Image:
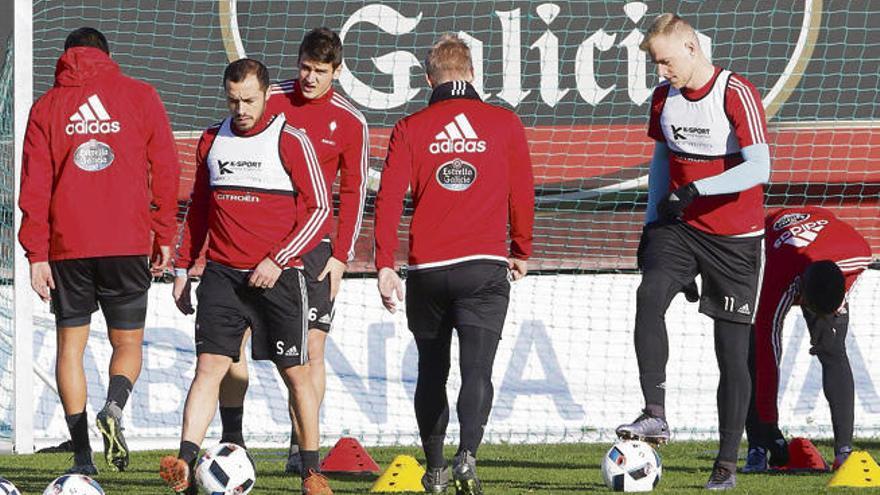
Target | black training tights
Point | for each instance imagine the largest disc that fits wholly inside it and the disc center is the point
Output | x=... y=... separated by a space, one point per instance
x=734 y=386
x=477 y=348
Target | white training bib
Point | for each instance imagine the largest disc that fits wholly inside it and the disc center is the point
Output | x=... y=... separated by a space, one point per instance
x=699 y=127
x=249 y=162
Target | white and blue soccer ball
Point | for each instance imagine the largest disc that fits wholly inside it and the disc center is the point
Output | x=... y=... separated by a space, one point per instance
x=225 y=469
x=7 y=488
x=631 y=466
x=73 y=484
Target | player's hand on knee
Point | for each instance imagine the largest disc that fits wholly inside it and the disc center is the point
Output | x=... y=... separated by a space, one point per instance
x=335 y=268
x=826 y=341
x=265 y=274
x=390 y=287
x=518 y=268
x=672 y=206
x=181 y=293
x=41 y=280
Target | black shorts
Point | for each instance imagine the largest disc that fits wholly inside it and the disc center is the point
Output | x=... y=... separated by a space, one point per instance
x=320 y=304
x=731 y=268
x=227 y=306
x=473 y=293
x=119 y=284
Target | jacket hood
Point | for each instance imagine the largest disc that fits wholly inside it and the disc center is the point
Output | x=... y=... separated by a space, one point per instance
x=81 y=64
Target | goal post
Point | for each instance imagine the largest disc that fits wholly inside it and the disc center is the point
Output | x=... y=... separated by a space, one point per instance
x=23 y=421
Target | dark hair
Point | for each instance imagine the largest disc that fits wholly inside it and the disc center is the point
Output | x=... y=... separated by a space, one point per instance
x=239 y=70
x=823 y=287
x=321 y=45
x=86 y=36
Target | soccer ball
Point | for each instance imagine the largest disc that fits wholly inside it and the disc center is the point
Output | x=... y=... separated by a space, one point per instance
x=73 y=484
x=7 y=488
x=631 y=466
x=225 y=469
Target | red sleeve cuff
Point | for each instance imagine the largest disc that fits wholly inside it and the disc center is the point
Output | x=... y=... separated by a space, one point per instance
x=38 y=258
x=340 y=255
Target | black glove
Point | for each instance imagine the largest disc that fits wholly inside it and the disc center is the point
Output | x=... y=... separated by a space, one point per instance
x=691 y=292
x=672 y=207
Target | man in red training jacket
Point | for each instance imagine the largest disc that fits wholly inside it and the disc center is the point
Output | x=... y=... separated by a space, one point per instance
x=99 y=174
x=467 y=166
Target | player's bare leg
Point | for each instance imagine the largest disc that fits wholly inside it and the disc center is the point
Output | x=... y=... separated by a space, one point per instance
x=232 y=393
x=197 y=415
x=317 y=369
x=70 y=377
x=305 y=407
x=125 y=367
x=317 y=372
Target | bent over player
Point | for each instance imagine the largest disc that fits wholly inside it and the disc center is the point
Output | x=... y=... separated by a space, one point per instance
x=252 y=171
x=99 y=173
x=705 y=216
x=813 y=260
x=468 y=169
x=339 y=134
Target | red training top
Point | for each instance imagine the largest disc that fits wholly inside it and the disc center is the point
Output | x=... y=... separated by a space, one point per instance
x=341 y=139
x=246 y=192
x=795 y=238
x=705 y=129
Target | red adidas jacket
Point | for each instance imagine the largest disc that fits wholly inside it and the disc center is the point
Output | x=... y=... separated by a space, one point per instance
x=795 y=238
x=468 y=168
x=341 y=139
x=99 y=167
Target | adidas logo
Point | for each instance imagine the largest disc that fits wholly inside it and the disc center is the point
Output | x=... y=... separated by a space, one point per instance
x=801 y=236
x=744 y=309
x=292 y=352
x=457 y=137
x=91 y=118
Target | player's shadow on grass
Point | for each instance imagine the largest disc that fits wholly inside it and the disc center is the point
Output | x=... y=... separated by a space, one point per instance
x=540 y=486
x=686 y=469
x=554 y=465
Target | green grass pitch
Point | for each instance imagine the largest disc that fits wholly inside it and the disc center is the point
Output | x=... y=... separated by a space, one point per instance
x=504 y=469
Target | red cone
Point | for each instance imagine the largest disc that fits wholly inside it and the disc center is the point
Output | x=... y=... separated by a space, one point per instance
x=349 y=457
x=804 y=457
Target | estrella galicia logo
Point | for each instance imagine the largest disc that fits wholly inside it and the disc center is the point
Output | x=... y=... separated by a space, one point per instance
x=790 y=219
x=456 y=175
x=229 y=166
x=93 y=156
x=676 y=132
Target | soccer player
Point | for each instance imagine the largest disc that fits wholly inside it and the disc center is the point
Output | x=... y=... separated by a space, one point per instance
x=341 y=140
x=813 y=260
x=260 y=194
x=99 y=173
x=468 y=168
x=705 y=216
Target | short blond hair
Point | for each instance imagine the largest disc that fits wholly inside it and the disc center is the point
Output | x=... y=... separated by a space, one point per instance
x=664 y=25
x=449 y=59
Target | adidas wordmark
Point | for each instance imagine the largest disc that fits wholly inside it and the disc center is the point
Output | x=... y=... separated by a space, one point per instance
x=92 y=118
x=457 y=136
